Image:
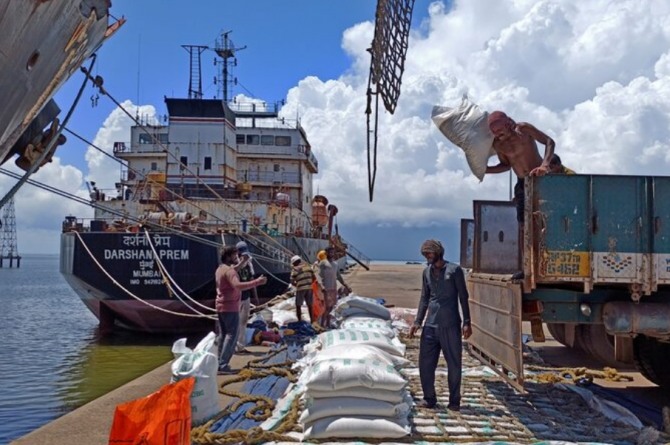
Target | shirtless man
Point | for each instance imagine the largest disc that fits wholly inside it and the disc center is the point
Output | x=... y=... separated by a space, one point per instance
x=515 y=144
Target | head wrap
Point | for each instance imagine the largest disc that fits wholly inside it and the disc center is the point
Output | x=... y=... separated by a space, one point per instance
x=321 y=255
x=295 y=259
x=499 y=117
x=242 y=248
x=432 y=246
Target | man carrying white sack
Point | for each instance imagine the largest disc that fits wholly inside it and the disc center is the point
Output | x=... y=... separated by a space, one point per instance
x=442 y=290
x=516 y=146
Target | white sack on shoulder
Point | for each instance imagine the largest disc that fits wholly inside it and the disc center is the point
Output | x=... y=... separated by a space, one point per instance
x=466 y=127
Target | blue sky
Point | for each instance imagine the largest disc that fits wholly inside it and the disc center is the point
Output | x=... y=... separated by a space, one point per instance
x=285 y=41
x=579 y=71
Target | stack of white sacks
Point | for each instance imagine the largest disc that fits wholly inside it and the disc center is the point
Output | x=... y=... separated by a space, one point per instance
x=283 y=312
x=351 y=383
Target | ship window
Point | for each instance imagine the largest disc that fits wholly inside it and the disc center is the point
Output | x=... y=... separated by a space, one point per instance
x=267 y=140
x=163 y=138
x=240 y=138
x=283 y=141
x=208 y=163
x=154 y=166
x=146 y=138
x=253 y=139
x=276 y=167
x=184 y=162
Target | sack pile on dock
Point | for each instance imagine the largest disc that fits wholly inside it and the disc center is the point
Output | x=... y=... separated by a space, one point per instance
x=351 y=384
x=355 y=306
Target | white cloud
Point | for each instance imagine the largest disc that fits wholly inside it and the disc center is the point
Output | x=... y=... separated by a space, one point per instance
x=103 y=169
x=594 y=75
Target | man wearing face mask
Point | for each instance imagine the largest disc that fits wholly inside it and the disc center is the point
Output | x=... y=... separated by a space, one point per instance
x=442 y=290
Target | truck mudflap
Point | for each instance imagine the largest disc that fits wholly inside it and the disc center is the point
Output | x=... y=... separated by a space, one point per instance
x=495 y=312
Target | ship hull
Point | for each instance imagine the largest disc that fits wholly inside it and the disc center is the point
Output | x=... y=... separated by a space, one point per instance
x=121 y=277
x=41 y=45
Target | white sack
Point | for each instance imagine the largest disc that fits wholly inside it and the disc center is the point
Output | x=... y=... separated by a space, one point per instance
x=355 y=304
x=337 y=337
x=359 y=427
x=369 y=324
x=350 y=351
x=385 y=395
x=335 y=374
x=201 y=363
x=316 y=409
x=466 y=127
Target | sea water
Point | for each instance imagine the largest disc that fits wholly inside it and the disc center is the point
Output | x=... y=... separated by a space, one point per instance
x=52 y=358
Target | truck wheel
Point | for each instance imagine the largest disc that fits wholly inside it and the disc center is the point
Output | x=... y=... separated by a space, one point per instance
x=557 y=330
x=599 y=344
x=652 y=359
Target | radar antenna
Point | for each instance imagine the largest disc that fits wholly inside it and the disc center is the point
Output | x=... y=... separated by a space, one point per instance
x=225 y=48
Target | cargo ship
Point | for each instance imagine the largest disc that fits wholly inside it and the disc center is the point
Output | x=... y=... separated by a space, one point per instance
x=215 y=173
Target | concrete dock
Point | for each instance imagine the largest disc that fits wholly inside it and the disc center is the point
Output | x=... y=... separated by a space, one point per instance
x=399 y=285
x=90 y=424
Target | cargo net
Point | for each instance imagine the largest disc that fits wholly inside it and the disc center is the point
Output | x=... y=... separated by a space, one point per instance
x=388 y=51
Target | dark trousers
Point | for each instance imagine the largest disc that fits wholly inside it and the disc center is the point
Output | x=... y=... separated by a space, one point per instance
x=449 y=341
x=229 y=323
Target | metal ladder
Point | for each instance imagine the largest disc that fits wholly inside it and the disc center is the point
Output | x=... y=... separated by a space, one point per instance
x=268 y=249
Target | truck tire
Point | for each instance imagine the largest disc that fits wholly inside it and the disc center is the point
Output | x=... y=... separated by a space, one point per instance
x=557 y=331
x=599 y=344
x=652 y=359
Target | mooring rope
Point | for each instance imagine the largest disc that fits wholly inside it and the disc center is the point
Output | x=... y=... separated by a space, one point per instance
x=167 y=277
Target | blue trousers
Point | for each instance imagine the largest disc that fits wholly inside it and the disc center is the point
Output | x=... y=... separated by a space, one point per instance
x=448 y=341
x=229 y=323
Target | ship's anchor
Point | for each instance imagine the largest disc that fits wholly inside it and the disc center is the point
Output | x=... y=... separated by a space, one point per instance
x=35 y=149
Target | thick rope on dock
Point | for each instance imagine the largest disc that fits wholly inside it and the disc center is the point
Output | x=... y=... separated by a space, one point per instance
x=572 y=375
x=260 y=411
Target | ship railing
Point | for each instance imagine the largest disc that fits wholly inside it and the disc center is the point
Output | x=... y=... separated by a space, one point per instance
x=269 y=177
x=356 y=254
x=275 y=253
x=268 y=121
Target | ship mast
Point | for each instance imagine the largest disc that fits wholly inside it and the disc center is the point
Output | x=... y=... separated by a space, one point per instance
x=195 y=79
x=225 y=48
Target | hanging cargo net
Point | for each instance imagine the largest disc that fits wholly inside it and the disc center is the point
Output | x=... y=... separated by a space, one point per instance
x=388 y=51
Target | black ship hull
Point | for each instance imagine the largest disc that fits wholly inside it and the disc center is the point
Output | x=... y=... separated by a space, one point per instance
x=121 y=277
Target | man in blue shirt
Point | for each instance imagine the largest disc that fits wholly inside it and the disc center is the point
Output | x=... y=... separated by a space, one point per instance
x=442 y=291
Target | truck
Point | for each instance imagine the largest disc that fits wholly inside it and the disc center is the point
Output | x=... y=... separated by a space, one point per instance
x=591 y=260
